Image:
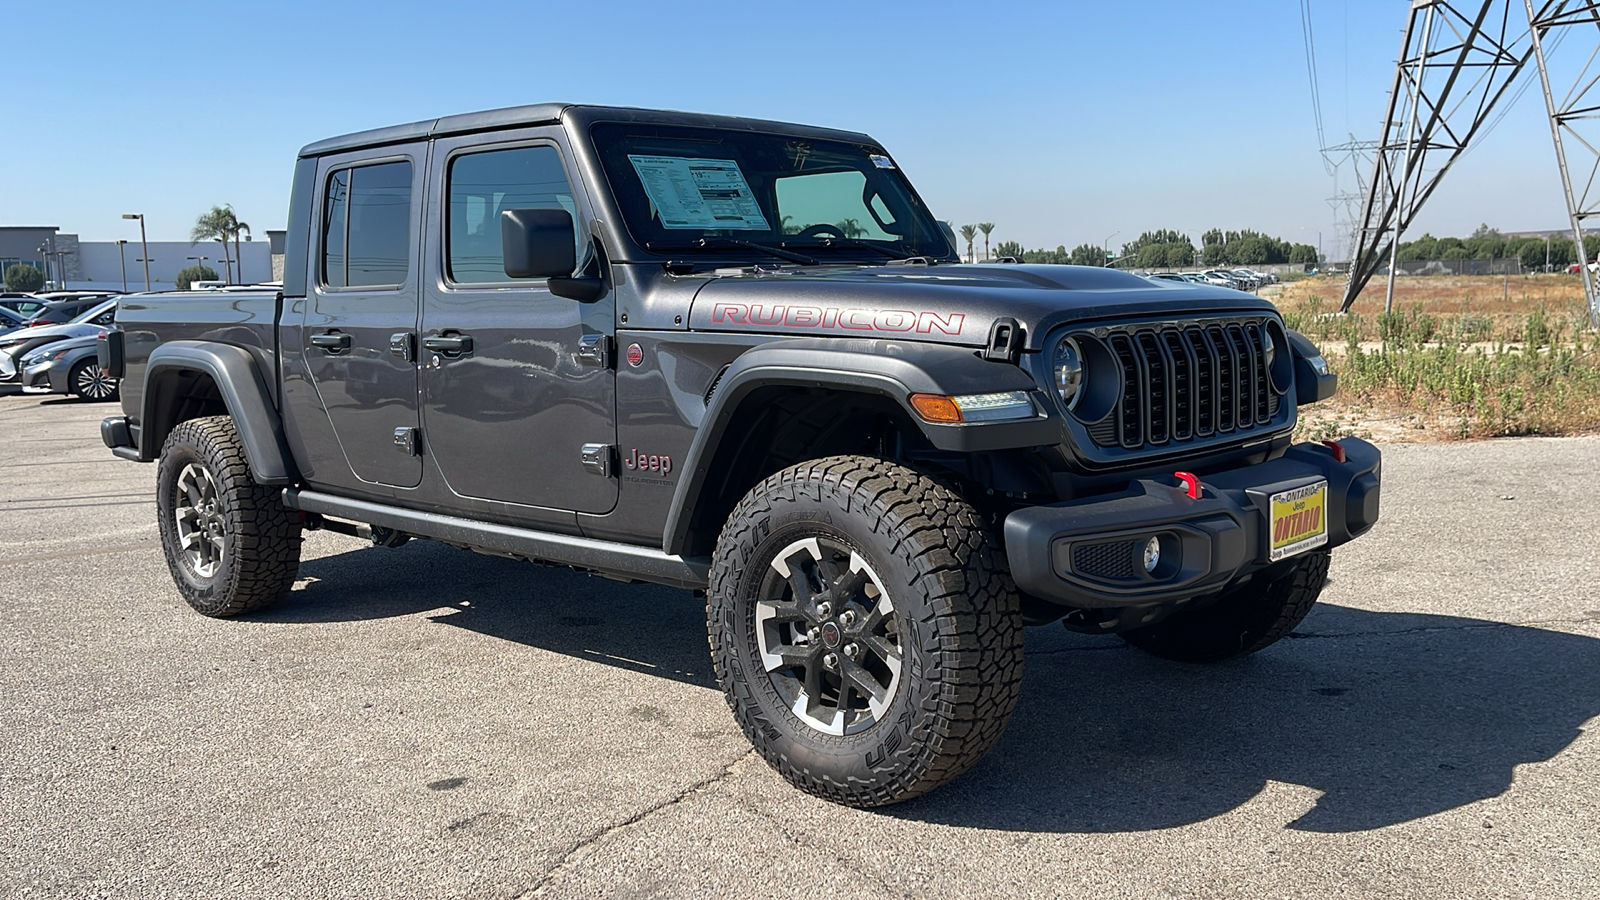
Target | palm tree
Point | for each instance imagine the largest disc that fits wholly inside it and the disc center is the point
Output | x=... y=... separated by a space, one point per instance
x=968 y=234
x=850 y=228
x=221 y=225
x=985 y=227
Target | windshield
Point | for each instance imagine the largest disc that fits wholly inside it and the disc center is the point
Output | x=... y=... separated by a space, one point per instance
x=737 y=193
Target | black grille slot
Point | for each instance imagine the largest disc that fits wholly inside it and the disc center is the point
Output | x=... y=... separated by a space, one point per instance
x=1188 y=382
x=1109 y=561
x=1158 y=427
x=1130 y=409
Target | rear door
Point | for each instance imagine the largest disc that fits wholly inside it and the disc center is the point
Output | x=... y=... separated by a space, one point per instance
x=361 y=308
x=507 y=418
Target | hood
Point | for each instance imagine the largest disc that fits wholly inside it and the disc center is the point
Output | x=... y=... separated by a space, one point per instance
x=943 y=304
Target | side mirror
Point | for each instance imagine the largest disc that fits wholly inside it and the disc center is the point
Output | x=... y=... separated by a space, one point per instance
x=537 y=243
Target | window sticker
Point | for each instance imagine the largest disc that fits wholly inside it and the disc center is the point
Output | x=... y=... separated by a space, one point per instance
x=691 y=193
x=882 y=162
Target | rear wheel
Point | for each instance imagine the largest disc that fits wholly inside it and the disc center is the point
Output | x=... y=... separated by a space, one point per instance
x=90 y=382
x=1248 y=618
x=231 y=544
x=864 y=629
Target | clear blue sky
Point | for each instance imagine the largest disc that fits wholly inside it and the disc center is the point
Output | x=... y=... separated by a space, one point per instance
x=1062 y=122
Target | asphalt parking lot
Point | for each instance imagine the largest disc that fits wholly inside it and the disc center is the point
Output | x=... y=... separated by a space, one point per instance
x=428 y=722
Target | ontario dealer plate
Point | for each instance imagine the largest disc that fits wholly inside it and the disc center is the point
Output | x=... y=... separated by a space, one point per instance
x=1299 y=520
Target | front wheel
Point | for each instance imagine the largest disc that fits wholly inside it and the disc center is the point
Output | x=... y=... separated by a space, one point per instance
x=231 y=544
x=1248 y=618
x=864 y=629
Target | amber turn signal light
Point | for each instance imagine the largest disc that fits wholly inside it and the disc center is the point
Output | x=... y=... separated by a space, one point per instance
x=936 y=408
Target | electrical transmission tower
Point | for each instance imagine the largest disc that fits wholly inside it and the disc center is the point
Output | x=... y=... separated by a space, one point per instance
x=1457 y=62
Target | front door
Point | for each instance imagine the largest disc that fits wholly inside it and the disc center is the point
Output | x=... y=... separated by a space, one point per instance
x=509 y=399
x=361 y=310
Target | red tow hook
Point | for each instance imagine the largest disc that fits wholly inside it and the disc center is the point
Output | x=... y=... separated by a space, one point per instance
x=1191 y=484
x=1337 y=448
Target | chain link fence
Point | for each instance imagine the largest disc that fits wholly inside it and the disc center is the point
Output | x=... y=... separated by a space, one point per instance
x=1509 y=266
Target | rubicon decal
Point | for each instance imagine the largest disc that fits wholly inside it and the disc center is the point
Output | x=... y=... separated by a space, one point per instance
x=900 y=321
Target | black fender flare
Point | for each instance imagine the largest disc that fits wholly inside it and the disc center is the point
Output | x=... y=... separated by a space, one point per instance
x=244 y=392
x=892 y=369
x=1313 y=382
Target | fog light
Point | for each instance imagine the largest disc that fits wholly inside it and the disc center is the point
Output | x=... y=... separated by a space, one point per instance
x=1152 y=554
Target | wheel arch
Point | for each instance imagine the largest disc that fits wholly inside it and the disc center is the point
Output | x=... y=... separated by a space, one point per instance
x=768 y=411
x=189 y=379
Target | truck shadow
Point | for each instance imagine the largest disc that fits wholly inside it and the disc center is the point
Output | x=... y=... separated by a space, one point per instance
x=1390 y=717
x=643 y=628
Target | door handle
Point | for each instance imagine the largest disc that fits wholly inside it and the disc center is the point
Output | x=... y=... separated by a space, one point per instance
x=332 y=341
x=452 y=343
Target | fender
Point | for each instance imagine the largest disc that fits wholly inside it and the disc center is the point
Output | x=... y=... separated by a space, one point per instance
x=1313 y=382
x=244 y=392
x=893 y=369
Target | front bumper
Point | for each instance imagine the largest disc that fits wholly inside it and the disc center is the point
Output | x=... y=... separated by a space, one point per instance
x=51 y=376
x=1087 y=553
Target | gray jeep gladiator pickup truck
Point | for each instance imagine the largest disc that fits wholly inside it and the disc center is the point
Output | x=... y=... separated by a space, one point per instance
x=741 y=357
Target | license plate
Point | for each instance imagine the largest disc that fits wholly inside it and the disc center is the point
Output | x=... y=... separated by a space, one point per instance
x=1299 y=520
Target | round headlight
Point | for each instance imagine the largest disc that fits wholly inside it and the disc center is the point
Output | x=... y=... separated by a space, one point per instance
x=1067 y=366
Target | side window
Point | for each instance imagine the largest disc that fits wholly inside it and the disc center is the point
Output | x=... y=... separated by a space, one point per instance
x=482 y=186
x=366 y=234
x=831 y=198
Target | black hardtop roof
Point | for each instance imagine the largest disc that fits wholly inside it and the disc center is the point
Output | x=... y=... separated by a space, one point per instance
x=551 y=113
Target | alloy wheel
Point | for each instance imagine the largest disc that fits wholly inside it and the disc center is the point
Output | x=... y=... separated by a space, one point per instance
x=829 y=636
x=201 y=532
x=94 y=384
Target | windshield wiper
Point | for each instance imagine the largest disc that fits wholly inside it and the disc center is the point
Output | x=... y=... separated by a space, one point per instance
x=829 y=243
x=707 y=243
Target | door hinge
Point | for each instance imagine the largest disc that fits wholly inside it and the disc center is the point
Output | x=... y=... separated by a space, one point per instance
x=595 y=350
x=403 y=345
x=597 y=459
x=405 y=440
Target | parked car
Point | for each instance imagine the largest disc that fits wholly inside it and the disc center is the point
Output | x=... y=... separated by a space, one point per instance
x=876 y=474
x=10 y=321
x=59 y=312
x=17 y=344
x=20 y=303
x=69 y=366
x=1168 y=276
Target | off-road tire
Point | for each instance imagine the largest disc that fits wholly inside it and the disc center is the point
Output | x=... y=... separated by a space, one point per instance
x=960 y=633
x=260 y=537
x=1245 y=620
x=90 y=389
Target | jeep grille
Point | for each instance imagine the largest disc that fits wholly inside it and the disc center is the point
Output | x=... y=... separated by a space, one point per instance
x=1186 y=382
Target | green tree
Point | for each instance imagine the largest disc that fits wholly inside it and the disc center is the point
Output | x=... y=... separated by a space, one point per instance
x=986 y=227
x=219 y=224
x=1303 y=255
x=190 y=275
x=969 y=233
x=1011 y=249
x=23 y=277
x=1088 y=255
x=1529 y=252
x=1157 y=248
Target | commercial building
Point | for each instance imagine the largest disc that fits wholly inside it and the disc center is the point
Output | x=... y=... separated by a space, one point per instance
x=69 y=263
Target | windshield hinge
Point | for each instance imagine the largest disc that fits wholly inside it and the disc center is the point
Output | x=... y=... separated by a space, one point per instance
x=1005 y=341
